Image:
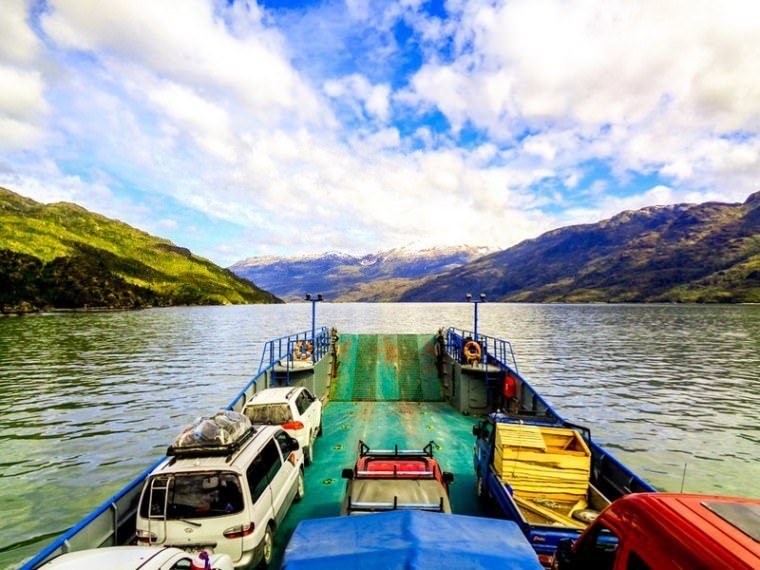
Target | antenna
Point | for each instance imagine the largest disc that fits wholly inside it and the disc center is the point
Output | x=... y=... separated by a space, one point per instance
x=683 y=477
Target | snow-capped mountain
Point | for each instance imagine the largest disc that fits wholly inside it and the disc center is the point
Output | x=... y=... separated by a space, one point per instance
x=343 y=276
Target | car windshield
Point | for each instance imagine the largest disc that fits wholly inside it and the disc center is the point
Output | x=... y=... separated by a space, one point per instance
x=271 y=414
x=192 y=496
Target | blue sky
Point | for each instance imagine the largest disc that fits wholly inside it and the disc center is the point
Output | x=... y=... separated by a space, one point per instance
x=241 y=129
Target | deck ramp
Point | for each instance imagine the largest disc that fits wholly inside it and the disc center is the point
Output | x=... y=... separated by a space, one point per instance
x=386 y=367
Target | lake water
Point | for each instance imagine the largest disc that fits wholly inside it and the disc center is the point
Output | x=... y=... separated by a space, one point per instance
x=90 y=400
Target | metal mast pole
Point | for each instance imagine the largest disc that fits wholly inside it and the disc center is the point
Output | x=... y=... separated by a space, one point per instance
x=314 y=323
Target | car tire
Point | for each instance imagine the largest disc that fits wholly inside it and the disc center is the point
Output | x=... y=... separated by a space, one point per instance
x=307 y=455
x=267 y=547
x=319 y=432
x=300 y=486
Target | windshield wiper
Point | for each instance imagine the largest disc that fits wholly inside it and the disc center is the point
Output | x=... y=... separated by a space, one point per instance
x=191 y=523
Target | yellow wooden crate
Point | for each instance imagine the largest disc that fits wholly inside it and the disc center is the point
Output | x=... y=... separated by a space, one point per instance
x=542 y=461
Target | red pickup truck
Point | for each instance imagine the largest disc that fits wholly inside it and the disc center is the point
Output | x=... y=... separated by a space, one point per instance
x=393 y=479
x=664 y=530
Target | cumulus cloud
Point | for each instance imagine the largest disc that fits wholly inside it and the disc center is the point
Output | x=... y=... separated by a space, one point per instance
x=202 y=102
x=187 y=41
x=647 y=85
x=22 y=102
x=364 y=98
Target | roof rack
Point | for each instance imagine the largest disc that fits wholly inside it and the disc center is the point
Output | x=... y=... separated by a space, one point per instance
x=211 y=450
x=365 y=450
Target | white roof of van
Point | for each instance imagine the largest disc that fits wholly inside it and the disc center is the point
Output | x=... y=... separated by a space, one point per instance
x=273 y=395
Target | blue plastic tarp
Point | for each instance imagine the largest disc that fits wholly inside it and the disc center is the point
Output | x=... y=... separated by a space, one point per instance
x=408 y=539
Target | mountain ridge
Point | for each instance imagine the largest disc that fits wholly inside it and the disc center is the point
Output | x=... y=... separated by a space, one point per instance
x=341 y=276
x=707 y=252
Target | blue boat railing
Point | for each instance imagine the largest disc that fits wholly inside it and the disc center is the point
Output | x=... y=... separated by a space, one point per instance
x=101 y=527
x=282 y=349
x=497 y=349
x=613 y=474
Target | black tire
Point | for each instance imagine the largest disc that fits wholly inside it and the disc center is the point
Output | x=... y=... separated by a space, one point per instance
x=267 y=546
x=319 y=432
x=307 y=455
x=300 y=487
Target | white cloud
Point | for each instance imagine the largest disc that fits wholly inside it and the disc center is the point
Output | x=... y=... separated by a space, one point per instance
x=185 y=40
x=22 y=103
x=18 y=44
x=21 y=95
x=645 y=85
x=360 y=94
x=169 y=122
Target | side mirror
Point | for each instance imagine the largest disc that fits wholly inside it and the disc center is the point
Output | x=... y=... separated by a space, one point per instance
x=448 y=477
x=293 y=444
x=347 y=474
x=563 y=557
x=477 y=431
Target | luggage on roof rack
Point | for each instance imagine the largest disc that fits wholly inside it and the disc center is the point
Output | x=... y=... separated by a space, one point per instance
x=221 y=434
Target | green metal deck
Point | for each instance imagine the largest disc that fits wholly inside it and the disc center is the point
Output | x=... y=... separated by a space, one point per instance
x=386 y=392
x=386 y=368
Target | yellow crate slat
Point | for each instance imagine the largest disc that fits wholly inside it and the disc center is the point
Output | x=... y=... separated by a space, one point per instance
x=543 y=459
x=556 y=494
x=523 y=436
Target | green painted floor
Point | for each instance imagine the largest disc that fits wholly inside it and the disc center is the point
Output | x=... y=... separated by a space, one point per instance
x=386 y=392
x=386 y=367
x=382 y=424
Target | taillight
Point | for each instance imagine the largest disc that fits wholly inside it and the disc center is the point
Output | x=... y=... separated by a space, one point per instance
x=546 y=559
x=294 y=425
x=239 y=531
x=145 y=537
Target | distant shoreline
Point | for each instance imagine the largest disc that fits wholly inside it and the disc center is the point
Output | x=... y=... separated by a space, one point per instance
x=54 y=310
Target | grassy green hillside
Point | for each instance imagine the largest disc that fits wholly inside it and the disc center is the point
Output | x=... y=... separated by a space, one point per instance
x=63 y=255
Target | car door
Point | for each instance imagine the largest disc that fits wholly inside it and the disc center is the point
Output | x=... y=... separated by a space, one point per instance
x=259 y=475
x=310 y=410
x=284 y=486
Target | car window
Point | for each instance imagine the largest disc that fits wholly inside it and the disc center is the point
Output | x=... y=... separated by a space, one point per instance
x=599 y=550
x=183 y=564
x=263 y=469
x=283 y=441
x=193 y=495
x=269 y=414
x=309 y=396
x=302 y=403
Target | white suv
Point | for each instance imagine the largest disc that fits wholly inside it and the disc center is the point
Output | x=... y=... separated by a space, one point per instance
x=295 y=409
x=229 y=502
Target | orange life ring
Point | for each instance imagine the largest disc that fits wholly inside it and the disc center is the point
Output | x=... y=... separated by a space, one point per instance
x=303 y=350
x=472 y=351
